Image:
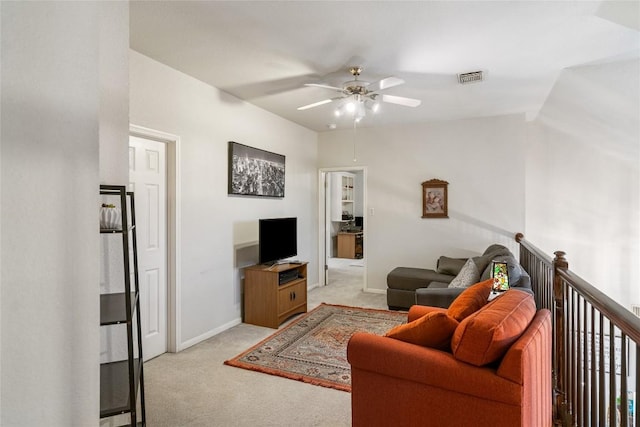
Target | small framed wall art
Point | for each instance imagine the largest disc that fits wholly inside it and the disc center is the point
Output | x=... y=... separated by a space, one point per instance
x=255 y=172
x=434 y=199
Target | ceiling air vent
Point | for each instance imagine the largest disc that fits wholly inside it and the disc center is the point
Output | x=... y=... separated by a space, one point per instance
x=475 y=76
x=636 y=309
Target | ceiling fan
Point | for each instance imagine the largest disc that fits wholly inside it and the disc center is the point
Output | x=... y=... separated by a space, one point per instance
x=358 y=95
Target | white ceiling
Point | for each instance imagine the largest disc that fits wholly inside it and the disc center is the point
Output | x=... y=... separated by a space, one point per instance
x=263 y=51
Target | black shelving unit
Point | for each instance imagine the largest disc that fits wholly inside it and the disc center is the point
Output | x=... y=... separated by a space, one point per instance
x=121 y=381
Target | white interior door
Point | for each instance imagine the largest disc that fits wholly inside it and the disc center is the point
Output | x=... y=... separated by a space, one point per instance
x=148 y=180
x=327 y=226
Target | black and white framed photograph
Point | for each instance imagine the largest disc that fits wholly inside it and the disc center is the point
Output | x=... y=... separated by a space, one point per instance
x=255 y=172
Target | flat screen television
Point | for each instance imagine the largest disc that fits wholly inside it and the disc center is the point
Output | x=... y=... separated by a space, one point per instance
x=277 y=239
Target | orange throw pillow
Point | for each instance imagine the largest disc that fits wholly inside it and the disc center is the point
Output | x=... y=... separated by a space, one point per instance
x=471 y=300
x=431 y=330
x=486 y=335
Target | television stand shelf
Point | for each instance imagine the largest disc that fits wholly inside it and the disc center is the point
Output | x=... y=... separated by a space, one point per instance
x=269 y=303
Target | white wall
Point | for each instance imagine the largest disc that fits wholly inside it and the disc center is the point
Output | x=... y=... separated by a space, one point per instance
x=114 y=161
x=466 y=154
x=1 y=134
x=114 y=93
x=50 y=244
x=212 y=223
x=583 y=184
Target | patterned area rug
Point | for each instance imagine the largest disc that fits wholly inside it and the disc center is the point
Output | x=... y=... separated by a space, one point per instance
x=313 y=348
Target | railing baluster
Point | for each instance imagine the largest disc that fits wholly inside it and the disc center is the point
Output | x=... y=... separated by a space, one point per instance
x=592 y=355
x=568 y=354
x=586 y=407
x=578 y=396
x=612 y=376
x=602 y=382
x=572 y=357
x=637 y=384
x=624 y=407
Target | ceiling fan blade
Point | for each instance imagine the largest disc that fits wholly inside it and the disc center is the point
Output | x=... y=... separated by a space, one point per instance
x=339 y=89
x=315 y=104
x=385 y=83
x=401 y=100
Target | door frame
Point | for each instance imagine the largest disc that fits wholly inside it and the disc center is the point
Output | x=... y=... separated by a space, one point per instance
x=322 y=220
x=174 y=287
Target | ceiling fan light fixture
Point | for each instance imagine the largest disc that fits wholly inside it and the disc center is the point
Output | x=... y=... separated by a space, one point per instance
x=350 y=107
x=374 y=106
x=358 y=96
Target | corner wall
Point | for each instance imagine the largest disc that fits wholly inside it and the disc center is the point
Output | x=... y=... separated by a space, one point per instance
x=49 y=248
x=583 y=181
x=114 y=161
x=217 y=230
x=483 y=161
x=114 y=93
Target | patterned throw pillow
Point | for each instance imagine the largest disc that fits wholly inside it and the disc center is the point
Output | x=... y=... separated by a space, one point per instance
x=514 y=268
x=467 y=276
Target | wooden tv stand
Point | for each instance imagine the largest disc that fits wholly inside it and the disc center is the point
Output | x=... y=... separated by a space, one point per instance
x=267 y=301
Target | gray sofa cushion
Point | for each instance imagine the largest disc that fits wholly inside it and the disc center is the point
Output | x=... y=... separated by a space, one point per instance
x=496 y=250
x=437 y=297
x=453 y=266
x=482 y=262
x=436 y=285
x=400 y=299
x=493 y=252
x=450 y=266
x=408 y=278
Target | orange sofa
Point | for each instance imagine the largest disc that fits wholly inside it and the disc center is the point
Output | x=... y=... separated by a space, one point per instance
x=496 y=372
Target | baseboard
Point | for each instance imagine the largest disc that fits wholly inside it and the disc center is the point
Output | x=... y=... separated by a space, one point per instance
x=196 y=340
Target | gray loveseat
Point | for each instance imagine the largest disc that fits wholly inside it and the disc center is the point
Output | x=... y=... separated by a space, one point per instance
x=407 y=286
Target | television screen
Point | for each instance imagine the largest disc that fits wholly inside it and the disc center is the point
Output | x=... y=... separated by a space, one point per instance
x=277 y=239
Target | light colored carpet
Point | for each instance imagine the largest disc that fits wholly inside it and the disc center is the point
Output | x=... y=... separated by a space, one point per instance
x=194 y=388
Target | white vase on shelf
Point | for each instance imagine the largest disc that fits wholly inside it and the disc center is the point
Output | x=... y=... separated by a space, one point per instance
x=110 y=217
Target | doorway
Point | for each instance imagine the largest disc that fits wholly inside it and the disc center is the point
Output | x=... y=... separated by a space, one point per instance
x=154 y=177
x=343 y=228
